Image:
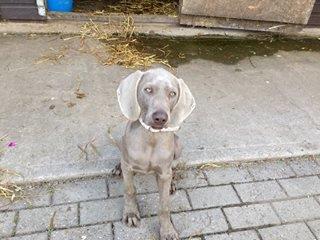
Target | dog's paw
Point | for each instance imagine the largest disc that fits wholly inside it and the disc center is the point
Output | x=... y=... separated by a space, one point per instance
x=117 y=171
x=173 y=188
x=169 y=234
x=131 y=219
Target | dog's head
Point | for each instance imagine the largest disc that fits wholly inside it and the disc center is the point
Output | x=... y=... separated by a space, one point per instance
x=157 y=97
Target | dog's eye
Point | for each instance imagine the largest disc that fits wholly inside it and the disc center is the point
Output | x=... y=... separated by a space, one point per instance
x=148 y=90
x=172 y=94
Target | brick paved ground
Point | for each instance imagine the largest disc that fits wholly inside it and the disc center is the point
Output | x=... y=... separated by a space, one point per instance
x=267 y=201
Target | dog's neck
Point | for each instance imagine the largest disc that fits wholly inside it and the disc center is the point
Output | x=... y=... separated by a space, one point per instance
x=153 y=130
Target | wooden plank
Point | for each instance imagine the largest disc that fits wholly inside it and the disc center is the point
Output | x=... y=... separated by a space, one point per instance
x=316 y=8
x=19 y=2
x=20 y=12
x=240 y=24
x=314 y=19
x=287 y=11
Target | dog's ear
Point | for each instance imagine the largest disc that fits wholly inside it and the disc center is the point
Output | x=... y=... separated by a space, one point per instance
x=127 y=96
x=184 y=106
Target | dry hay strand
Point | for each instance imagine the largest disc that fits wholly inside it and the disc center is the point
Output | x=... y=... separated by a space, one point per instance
x=121 y=48
x=79 y=93
x=53 y=55
x=92 y=30
x=207 y=166
x=11 y=192
x=154 y=7
x=85 y=149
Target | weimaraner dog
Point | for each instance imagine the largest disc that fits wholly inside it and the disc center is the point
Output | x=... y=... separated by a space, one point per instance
x=156 y=103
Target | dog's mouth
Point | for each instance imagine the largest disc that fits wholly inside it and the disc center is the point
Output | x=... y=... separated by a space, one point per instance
x=157 y=126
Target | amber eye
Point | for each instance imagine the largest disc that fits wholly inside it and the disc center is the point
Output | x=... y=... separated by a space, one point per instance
x=148 y=90
x=172 y=94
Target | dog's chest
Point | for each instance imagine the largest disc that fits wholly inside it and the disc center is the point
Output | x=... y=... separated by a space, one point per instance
x=150 y=153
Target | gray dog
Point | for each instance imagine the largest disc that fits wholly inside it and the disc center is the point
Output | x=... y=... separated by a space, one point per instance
x=156 y=103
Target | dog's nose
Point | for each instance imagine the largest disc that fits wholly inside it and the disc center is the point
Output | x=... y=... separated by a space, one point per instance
x=160 y=117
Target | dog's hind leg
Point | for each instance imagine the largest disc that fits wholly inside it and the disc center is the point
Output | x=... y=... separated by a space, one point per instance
x=117 y=171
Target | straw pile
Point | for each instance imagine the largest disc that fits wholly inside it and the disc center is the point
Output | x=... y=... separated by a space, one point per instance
x=121 y=48
x=155 y=7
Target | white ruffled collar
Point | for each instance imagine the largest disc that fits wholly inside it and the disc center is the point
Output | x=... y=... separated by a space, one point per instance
x=151 y=129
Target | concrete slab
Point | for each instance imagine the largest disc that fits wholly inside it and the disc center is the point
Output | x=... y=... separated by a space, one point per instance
x=267 y=109
x=162 y=29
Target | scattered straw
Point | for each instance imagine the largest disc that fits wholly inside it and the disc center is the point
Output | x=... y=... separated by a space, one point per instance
x=9 y=191
x=122 y=48
x=53 y=55
x=85 y=149
x=127 y=55
x=79 y=93
x=154 y=7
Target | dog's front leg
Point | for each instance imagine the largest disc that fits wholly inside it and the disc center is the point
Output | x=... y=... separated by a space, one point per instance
x=131 y=215
x=167 y=231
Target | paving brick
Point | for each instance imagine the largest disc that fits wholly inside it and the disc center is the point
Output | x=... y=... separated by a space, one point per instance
x=298 y=209
x=101 y=211
x=80 y=191
x=260 y=191
x=270 y=170
x=6 y=223
x=315 y=227
x=39 y=219
x=33 y=197
x=89 y=233
x=115 y=186
x=149 y=203
x=148 y=229
x=143 y=184
x=298 y=231
x=36 y=236
x=190 y=179
x=244 y=235
x=296 y=187
x=228 y=175
x=304 y=167
x=199 y=222
x=251 y=216
x=213 y=196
